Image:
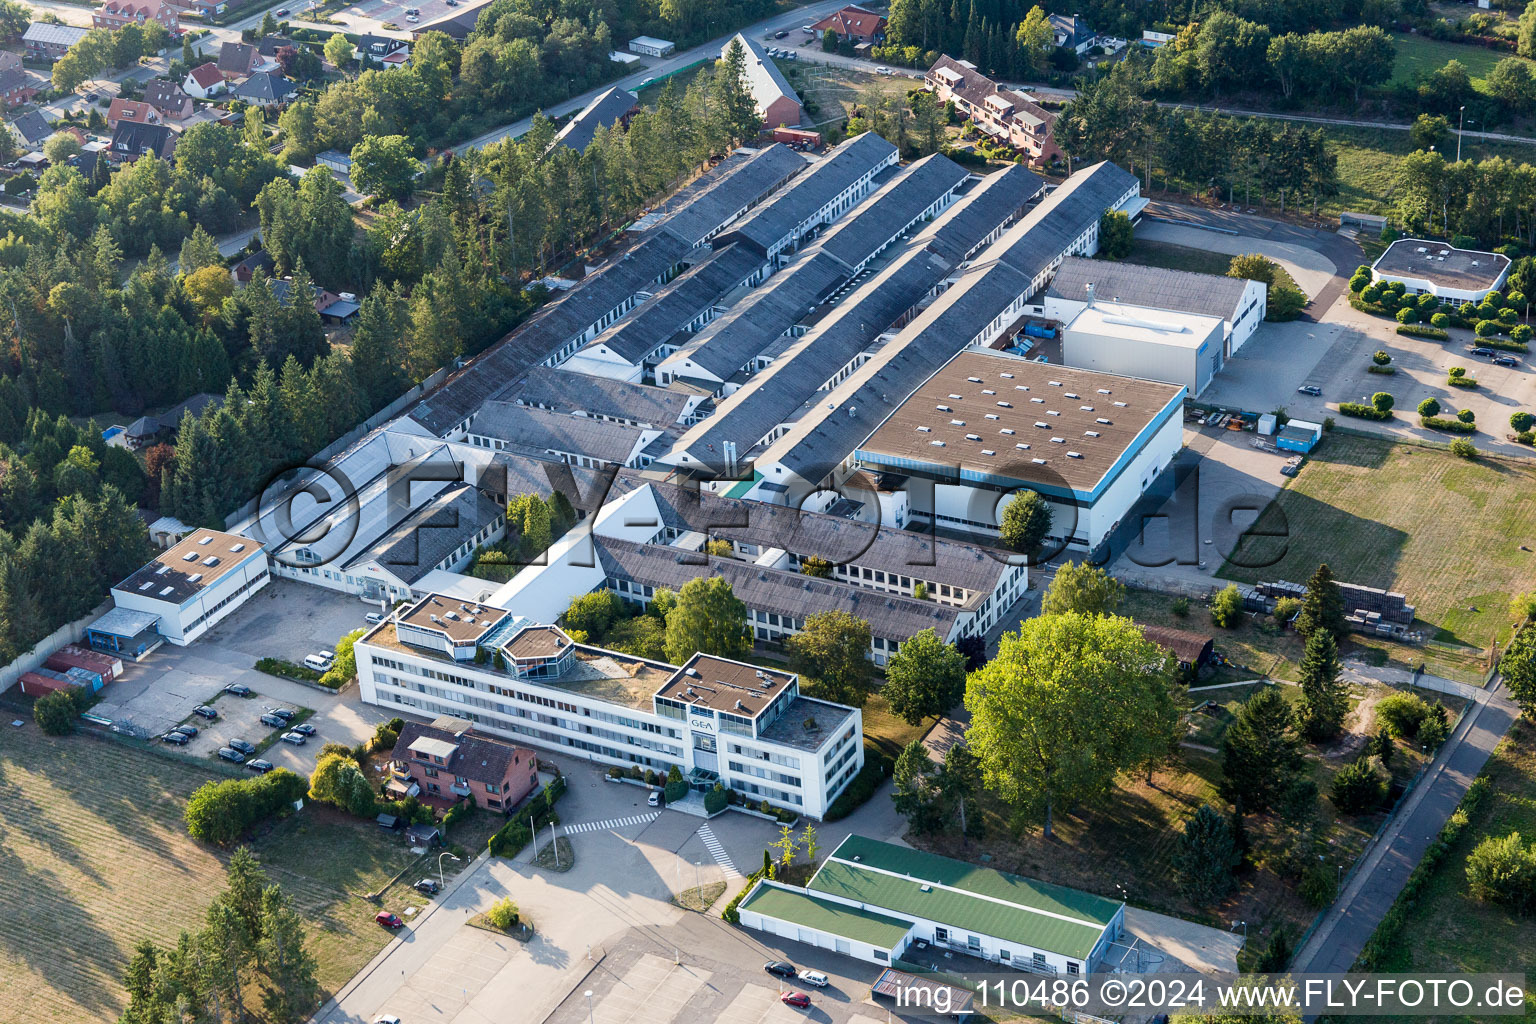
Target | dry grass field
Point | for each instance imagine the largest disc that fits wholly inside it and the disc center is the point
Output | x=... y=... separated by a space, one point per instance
x=834 y=89
x=1447 y=532
x=94 y=858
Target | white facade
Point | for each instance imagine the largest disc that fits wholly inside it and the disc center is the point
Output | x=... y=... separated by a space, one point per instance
x=184 y=619
x=1455 y=276
x=1237 y=328
x=804 y=777
x=1180 y=348
x=650 y=46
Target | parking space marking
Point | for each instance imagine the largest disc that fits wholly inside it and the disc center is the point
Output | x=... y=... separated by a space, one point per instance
x=718 y=852
x=596 y=826
x=653 y=989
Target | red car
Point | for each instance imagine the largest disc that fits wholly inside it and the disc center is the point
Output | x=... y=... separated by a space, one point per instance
x=389 y=919
x=799 y=1000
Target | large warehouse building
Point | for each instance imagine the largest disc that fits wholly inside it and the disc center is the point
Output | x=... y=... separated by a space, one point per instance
x=987 y=424
x=871 y=900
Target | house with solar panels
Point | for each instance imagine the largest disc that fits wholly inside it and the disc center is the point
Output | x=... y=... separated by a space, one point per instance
x=880 y=902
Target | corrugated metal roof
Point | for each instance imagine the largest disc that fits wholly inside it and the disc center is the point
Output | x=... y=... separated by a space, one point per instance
x=1153 y=287
x=607 y=108
x=879 y=930
x=888 y=211
x=414 y=546
x=1050 y=228
x=833 y=174
x=536 y=431
x=966 y=896
x=566 y=392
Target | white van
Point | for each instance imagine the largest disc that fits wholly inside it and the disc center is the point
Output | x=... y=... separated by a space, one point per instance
x=373 y=618
x=316 y=662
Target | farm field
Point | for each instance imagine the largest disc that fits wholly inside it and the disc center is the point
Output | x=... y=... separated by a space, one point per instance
x=1443 y=530
x=95 y=859
x=1448 y=930
x=1418 y=55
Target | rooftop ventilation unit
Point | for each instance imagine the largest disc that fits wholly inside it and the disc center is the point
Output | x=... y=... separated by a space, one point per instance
x=993 y=416
x=943 y=408
x=211 y=560
x=1007 y=430
x=973 y=437
x=1103 y=420
x=974 y=380
x=433 y=617
x=190 y=556
x=1022 y=447
x=957 y=423
x=1120 y=405
x=1090 y=433
x=988 y=451
x=146 y=584
x=205 y=540
x=1021 y=387
x=194 y=577
x=925 y=430
x=691 y=672
x=1104 y=391
x=1054 y=383
x=937 y=444
x=1004 y=405
x=237 y=547
x=1073 y=396
x=1074 y=455
x=162 y=570
x=988 y=391
x=1039 y=401
x=1085 y=408
x=956 y=396
x=164 y=591
x=1038 y=462
x=1007 y=376
x=1042 y=423
x=1058 y=440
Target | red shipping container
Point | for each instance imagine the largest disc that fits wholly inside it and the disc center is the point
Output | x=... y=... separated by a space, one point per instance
x=35 y=684
x=62 y=661
x=108 y=666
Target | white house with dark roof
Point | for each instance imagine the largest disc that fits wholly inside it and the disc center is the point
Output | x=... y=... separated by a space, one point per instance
x=777 y=102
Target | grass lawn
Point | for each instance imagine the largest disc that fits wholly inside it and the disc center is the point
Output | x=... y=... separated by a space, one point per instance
x=1368 y=162
x=96 y=858
x=1444 y=531
x=887 y=731
x=1448 y=930
x=832 y=91
x=1418 y=55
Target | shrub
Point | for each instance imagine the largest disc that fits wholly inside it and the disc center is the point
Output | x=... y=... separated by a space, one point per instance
x=503 y=914
x=1435 y=730
x=1429 y=407
x=1286 y=608
x=1402 y=714
x=1467 y=416
x=1227 y=607
x=1458 y=378
x=1509 y=317
x=1180 y=606
x=1486 y=328
x=1320 y=885
x=1381 y=401
x=1427 y=303
x=1503 y=870
x=1447 y=424
x=1463 y=449
x=615 y=772
x=1440 y=320
x=1364 y=412
x=511 y=838
x=1520 y=334
x=1521 y=421
x=56 y=713
x=1358 y=788
x=1420 y=331
x=345 y=666
x=221 y=812
x=1380 y=357
x=1526 y=437
x=716 y=799
x=279 y=667
x=1359 y=282
x=515 y=834
x=876 y=768
x=1408 y=315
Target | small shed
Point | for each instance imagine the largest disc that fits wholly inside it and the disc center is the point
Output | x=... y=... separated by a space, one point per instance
x=1299 y=436
x=1194 y=650
x=424 y=835
x=388 y=822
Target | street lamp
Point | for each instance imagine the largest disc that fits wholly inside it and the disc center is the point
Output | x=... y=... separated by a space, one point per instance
x=590 y=1017
x=1460 y=124
x=1244 y=926
x=440 y=882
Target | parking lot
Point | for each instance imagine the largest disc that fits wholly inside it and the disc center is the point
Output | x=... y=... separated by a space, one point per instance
x=284 y=620
x=394 y=13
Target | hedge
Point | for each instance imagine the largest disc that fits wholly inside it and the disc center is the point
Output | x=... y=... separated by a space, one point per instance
x=875 y=771
x=1504 y=345
x=1448 y=424
x=730 y=913
x=1461 y=380
x=515 y=834
x=1385 y=371
x=1420 y=331
x=279 y=667
x=221 y=812
x=717 y=799
x=1364 y=412
x=1379 y=946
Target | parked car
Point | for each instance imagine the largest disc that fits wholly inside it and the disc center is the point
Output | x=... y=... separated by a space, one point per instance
x=1506 y=361
x=243 y=746
x=374 y=618
x=260 y=766
x=781 y=33
x=274 y=721
x=389 y=919
x=390 y=1018
x=1310 y=389
x=186 y=730
x=316 y=662
x=178 y=738
x=304 y=729
x=204 y=711
x=238 y=689
x=815 y=978
x=231 y=754
x=780 y=969
x=286 y=714
x=1482 y=351
x=799 y=1000
x=296 y=738
x=428 y=886
x=282 y=12
x=882 y=70
x=654 y=799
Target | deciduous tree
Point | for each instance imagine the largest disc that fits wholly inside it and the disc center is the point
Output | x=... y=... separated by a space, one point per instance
x=925 y=678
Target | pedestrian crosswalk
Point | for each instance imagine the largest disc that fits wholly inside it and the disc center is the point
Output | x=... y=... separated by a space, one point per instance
x=717 y=851
x=598 y=826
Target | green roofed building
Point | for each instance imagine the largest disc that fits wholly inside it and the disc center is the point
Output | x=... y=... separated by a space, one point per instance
x=871 y=900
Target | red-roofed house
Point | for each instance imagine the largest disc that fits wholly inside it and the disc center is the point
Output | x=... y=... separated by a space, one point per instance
x=204 y=81
x=18 y=86
x=115 y=14
x=853 y=23
x=447 y=761
x=136 y=111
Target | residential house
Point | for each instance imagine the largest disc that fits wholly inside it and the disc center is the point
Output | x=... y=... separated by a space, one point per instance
x=776 y=99
x=269 y=45
x=18 y=86
x=334 y=308
x=853 y=23
x=50 y=42
x=169 y=99
x=116 y=14
x=1072 y=32
x=1007 y=115
x=9 y=60
x=239 y=60
x=132 y=140
x=265 y=89
x=449 y=760
x=31 y=130
x=246 y=268
x=136 y=111
x=382 y=51
x=613 y=107
x=204 y=81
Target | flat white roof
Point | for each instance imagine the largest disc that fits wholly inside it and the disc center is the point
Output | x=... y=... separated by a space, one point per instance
x=433 y=747
x=1138 y=323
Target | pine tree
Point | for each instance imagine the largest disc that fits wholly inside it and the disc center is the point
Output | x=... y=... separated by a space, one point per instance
x=1324 y=700
x=290 y=991
x=1206 y=856
x=1260 y=753
x=1323 y=607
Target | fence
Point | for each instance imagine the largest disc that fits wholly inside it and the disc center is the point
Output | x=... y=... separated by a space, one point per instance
x=69 y=633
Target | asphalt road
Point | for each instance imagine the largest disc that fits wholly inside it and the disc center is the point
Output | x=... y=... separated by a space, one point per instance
x=1384 y=871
